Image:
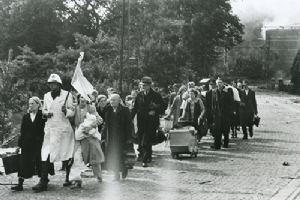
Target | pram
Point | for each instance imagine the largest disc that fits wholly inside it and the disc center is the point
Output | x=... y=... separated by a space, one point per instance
x=183 y=140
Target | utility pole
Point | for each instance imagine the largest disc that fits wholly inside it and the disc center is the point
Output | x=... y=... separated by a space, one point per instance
x=122 y=49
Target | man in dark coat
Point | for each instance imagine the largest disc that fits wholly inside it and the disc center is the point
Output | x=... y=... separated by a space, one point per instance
x=208 y=104
x=118 y=127
x=148 y=106
x=219 y=111
x=248 y=109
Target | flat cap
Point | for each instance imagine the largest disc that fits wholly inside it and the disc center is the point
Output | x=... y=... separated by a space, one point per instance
x=147 y=80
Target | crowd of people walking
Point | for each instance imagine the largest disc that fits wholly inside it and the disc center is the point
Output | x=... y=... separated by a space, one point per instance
x=98 y=132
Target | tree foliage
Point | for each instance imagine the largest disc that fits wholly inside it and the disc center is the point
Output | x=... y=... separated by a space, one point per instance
x=170 y=40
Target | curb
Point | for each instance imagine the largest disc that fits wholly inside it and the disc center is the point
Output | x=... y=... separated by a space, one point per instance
x=290 y=192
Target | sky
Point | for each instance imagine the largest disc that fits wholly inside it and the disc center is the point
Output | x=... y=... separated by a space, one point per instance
x=273 y=12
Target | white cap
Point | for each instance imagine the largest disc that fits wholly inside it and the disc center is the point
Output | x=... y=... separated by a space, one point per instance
x=54 y=78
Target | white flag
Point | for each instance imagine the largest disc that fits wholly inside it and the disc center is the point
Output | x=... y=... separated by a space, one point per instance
x=80 y=83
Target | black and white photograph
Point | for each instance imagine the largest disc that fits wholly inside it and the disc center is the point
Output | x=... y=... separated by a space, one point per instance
x=150 y=99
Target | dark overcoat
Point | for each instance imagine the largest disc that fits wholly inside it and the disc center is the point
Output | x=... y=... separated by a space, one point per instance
x=147 y=125
x=118 y=129
x=30 y=142
x=219 y=108
x=248 y=107
x=208 y=107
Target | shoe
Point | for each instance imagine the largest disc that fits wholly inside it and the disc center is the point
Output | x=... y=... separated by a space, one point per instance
x=251 y=134
x=77 y=185
x=145 y=165
x=67 y=184
x=124 y=173
x=245 y=138
x=17 y=188
x=40 y=187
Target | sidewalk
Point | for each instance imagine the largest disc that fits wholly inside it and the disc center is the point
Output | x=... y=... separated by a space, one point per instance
x=249 y=170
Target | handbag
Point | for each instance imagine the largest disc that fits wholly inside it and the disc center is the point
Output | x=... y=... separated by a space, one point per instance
x=203 y=127
x=256 y=121
x=159 y=137
x=11 y=163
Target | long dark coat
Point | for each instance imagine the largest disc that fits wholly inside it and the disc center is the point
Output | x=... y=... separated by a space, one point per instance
x=30 y=142
x=219 y=108
x=248 y=107
x=208 y=107
x=118 y=129
x=147 y=125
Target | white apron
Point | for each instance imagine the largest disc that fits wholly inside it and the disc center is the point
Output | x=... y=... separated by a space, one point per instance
x=59 y=138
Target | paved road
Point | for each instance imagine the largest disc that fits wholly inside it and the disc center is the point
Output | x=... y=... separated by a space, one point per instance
x=249 y=170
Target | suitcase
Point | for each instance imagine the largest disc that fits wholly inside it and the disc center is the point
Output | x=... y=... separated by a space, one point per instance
x=11 y=163
x=183 y=141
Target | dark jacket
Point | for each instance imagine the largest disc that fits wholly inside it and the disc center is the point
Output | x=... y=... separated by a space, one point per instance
x=208 y=107
x=220 y=106
x=118 y=130
x=31 y=141
x=147 y=124
x=248 y=107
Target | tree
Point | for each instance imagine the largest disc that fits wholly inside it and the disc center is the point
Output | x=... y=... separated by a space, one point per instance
x=43 y=25
x=84 y=17
x=200 y=27
x=37 y=24
x=209 y=25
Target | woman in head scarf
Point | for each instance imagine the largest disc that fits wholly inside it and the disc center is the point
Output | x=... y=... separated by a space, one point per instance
x=30 y=143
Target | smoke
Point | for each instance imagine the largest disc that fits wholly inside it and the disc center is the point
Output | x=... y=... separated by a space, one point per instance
x=267 y=14
x=273 y=12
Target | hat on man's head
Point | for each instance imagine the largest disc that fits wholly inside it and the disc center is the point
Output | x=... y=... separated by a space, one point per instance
x=245 y=82
x=147 y=80
x=54 y=78
x=212 y=81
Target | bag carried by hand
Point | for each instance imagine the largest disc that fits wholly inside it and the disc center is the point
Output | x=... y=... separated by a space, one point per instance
x=159 y=137
x=256 y=121
x=11 y=163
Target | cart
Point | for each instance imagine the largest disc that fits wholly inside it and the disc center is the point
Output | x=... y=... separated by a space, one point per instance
x=183 y=141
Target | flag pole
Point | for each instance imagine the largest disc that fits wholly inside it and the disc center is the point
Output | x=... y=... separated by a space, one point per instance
x=79 y=60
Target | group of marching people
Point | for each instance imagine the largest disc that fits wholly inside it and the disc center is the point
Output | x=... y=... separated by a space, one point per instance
x=218 y=107
x=96 y=131
x=85 y=132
